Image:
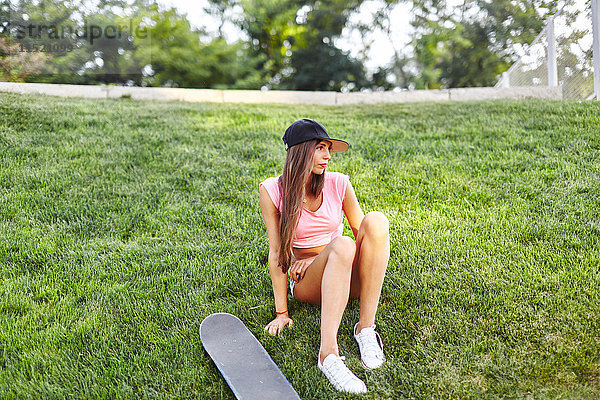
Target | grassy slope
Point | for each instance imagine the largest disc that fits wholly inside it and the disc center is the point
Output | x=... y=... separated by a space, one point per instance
x=124 y=223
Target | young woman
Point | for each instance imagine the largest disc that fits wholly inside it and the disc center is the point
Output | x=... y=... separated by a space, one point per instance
x=302 y=209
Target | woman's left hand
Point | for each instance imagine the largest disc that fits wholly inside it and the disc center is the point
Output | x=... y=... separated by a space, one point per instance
x=298 y=269
x=276 y=326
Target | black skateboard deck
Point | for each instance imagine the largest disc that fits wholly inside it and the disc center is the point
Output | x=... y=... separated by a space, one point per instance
x=244 y=363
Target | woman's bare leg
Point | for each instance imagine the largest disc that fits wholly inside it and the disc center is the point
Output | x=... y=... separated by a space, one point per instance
x=346 y=268
x=369 y=266
x=327 y=282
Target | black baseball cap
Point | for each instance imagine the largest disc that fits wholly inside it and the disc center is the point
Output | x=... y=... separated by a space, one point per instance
x=306 y=129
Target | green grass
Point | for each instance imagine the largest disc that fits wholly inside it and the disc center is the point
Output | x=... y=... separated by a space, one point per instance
x=124 y=223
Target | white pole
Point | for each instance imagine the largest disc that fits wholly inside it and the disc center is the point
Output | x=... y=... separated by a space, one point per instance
x=552 y=68
x=505 y=80
x=596 y=46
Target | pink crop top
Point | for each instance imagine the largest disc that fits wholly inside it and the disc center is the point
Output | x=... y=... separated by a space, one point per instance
x=316 y=228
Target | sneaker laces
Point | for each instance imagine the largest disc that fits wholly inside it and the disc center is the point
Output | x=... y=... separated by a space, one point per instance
x=372 y=345
x=338 y=373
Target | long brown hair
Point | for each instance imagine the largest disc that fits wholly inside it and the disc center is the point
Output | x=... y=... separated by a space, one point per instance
x=297 y=171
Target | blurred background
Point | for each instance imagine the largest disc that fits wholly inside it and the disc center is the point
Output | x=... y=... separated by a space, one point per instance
x=333 y=45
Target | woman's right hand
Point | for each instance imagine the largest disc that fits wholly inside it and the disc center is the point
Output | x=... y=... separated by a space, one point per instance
x=276 y=326
x=298 y=269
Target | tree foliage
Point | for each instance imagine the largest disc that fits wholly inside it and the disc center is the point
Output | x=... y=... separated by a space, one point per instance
x=469 y=44
x=289 y=44
x=139 y=44
x=295 y=39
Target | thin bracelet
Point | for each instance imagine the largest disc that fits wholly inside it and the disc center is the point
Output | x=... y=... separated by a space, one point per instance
x=279 y=313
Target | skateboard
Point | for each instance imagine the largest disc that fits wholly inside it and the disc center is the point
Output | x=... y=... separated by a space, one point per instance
x=244 y=363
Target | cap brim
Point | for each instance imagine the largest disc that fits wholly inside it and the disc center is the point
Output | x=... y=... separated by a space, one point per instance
x=338 y=146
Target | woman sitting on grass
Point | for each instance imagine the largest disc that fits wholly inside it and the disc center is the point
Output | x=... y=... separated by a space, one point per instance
x=302 y=209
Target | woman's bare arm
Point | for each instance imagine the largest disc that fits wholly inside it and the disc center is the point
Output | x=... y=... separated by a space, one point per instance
x=352 y=209
x=278 y=277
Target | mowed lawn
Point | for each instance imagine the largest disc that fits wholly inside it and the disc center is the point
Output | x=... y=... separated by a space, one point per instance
x=124 y=223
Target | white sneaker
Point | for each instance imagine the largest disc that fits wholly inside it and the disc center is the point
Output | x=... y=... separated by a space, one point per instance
x=371 y=347
x=340 y=376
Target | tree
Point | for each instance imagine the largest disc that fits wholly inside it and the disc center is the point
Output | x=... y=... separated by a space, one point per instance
x=468 y=44
x=117 y=41
x=177 y=57
x=34 y=30
x=16 y=65
x=319 y=65
x=294 y=41
x=325 y=67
